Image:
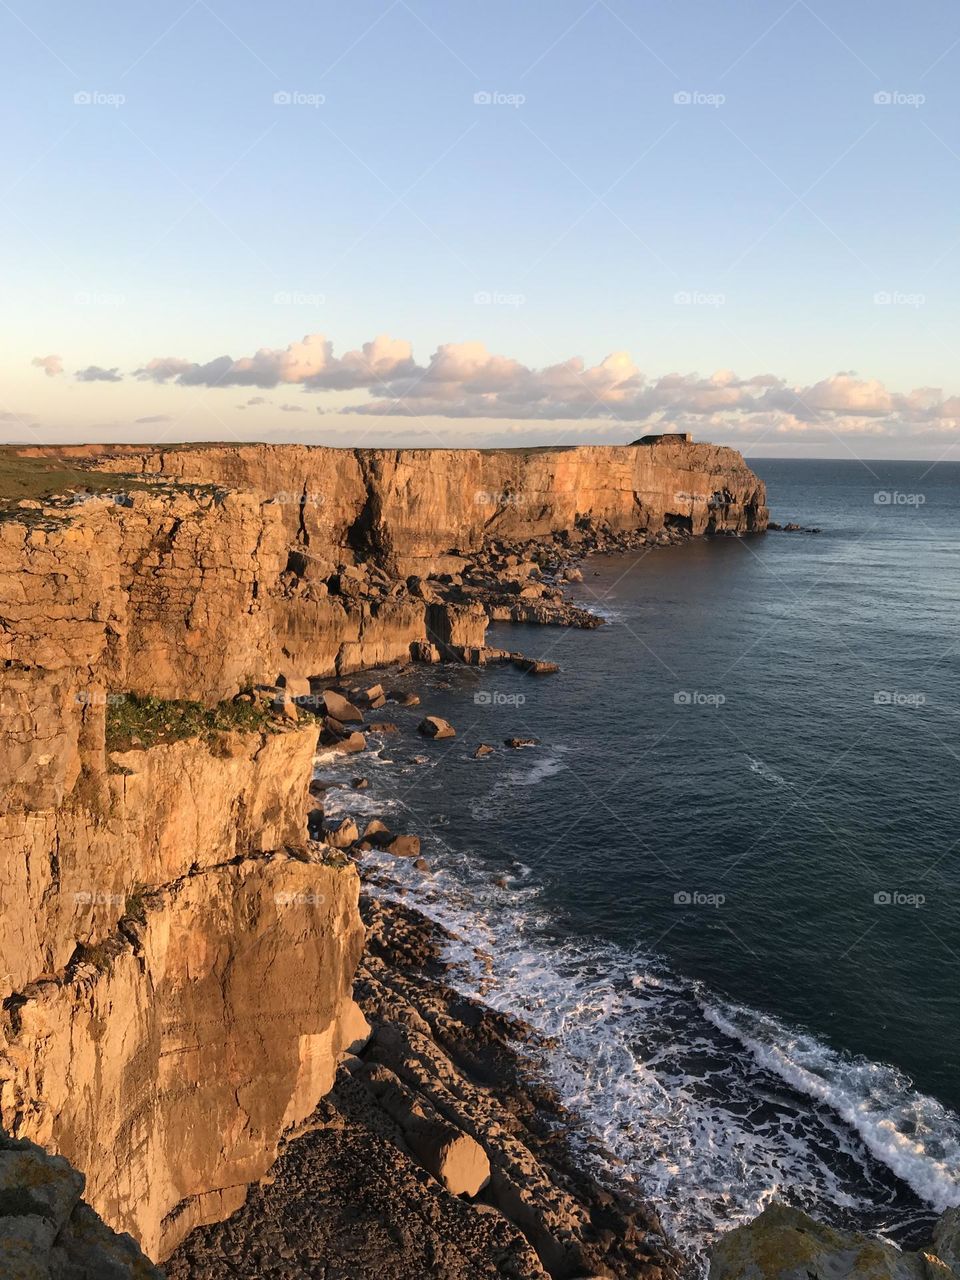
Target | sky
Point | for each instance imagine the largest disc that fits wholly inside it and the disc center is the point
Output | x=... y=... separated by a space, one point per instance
x=432 y=223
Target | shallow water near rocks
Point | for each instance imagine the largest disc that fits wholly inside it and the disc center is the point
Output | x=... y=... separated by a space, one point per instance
x=726 y=879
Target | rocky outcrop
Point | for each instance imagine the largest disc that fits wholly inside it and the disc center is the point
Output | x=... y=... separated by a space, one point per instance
x=787 y=1244
x=48 y=1233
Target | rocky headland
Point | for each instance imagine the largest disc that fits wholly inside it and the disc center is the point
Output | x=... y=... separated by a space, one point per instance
x=191 y=987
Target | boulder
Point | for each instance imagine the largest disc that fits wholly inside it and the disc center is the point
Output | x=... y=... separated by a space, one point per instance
x=383 y=726
x=435 y=727
x=340 y=833
x=536 y=666
x=352 y=743
x=404 y=846
x=377 y=832
x=337 y=706
x=786 y=1244
x=405 y=699
x=484 y=749
x=360 y=784
x=517 y=743
x=423 y=651
x=296 y=686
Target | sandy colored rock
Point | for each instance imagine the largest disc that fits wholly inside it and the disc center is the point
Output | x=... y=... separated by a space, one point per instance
x=436 y=727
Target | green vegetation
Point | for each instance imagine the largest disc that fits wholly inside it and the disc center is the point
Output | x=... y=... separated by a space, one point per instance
x=135 y=722
x=38 y=478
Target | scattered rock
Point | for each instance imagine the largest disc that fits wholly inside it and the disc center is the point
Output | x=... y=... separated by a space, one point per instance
x=421 y=864
x=405 y=699
x=340 y=833
x=484 y=749
x=383 y=726
x=403 y=846
x=296 y=686
x=536 y=666
x=352 y=743
x=517 y=743
x=337 y=706
x=377 y=832
x=435 y=727
x=360 y=784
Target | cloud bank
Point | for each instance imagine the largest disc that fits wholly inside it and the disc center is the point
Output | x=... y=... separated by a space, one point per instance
x=467 y=381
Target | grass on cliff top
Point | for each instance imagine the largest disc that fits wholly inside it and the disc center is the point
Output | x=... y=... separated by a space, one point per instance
x=135 y=723
x=38 y=478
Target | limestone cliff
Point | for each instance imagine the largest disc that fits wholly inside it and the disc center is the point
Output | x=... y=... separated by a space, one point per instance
x=176 y=959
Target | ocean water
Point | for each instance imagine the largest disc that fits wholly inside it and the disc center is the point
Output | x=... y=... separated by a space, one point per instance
x=726 y=880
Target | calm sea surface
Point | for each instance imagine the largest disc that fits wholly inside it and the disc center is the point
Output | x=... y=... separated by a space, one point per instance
x=727 y=880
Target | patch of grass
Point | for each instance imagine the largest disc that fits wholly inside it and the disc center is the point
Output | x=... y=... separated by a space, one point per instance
x=136 y=906
x=38 y=478
x=135 y=722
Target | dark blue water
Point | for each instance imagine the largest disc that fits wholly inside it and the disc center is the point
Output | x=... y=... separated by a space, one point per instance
x=727 y=878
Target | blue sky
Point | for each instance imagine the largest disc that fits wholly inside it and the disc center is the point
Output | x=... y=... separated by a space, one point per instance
x=764 y=189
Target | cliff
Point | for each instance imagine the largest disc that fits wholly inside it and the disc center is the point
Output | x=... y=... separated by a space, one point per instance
x=176 y=958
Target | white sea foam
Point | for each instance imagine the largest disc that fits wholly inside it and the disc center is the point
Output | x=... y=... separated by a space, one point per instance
x=768 y=774
x=710 y=1109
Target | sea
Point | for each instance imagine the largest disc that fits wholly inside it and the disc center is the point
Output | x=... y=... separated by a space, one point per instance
x=725 y=882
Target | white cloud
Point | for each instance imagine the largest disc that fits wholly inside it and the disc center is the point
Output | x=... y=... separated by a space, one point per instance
x=464 y=380
x=51 y=365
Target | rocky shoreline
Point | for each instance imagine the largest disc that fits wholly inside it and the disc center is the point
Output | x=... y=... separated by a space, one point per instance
x=437 y=1152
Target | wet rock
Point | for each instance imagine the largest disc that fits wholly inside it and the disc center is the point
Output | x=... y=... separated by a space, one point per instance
x=403 y=846
x=340 y=833
x=517 y=743
x=436 y=727
x=377 y=832
x=536 y=666
x=786 y=1244
x=484 y=749
x=360 y=784
x=405 y=699
x=383 y=726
